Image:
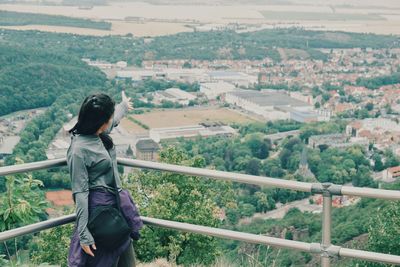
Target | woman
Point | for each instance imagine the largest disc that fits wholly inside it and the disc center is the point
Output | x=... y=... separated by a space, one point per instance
x=92 y=164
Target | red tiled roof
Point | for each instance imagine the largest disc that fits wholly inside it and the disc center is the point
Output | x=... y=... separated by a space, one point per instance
x=60 y=198
x=394 y=169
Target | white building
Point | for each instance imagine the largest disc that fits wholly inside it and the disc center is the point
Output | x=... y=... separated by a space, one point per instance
x=158 y=134
x=302 y=97
x=7 y=144
x=137 y=75
x=270 y=105
x=238 y=79
x=183 y=75
x=175 y=95
x=121 y=64
x=380 y=124
x=214 y=89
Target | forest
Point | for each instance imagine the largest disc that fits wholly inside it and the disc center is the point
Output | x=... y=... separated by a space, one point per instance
x=9 y=18
x=196 y=45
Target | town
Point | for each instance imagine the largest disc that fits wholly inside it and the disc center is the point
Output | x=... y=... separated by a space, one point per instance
x=247 y=133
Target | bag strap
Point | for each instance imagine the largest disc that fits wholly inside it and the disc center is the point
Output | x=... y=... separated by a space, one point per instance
x=115 y=185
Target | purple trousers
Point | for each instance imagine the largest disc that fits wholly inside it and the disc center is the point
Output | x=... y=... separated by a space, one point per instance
x=105 y=258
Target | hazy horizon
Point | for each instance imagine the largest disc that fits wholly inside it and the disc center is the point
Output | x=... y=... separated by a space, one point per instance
x=163 y=17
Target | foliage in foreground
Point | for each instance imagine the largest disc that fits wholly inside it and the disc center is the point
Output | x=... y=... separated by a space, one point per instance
x=180 y=198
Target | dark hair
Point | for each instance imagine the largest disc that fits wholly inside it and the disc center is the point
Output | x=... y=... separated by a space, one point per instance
x=96 y=110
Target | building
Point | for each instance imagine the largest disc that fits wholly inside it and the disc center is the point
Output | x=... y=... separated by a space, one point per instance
x=121 y=64
x=146 y=149
x=212 y=90
x=175 y=95
x=301 y=116
x=272 y=105
x=238 y=79
x=175 y=74
x=7 y=144
x=391 y=173
x=60 y=144
x=139 y=75
x=59 y=199
x=316 y=141
x=159 y=134
x=302 y=97
x=281 y=135
x=340 y=141
x=373 y=125
x=383 y=133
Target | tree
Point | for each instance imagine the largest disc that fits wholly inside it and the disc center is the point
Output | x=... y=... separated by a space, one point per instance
x=247 y=210
x=264 y=201
x=384 y=231
x=258 y=145
x=253 y=167
x=22 y=203
x=233 y=215
x=187 y=65
x=391 y=160
x=378 y=164
x=369 y=106
x=180 y=198
x=52 y=246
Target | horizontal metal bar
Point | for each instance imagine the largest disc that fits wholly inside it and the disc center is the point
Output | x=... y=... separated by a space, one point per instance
x=33 y=166
x=369 y=256
x=371 y=192
x=36 y=227
x=216 y=232
x=227 y=176
x=186 y=227
x=234 y=235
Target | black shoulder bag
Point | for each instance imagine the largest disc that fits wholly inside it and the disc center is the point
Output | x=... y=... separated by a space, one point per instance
x=108 y=226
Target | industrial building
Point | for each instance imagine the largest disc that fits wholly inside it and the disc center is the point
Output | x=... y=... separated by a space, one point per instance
x=159 y=134
x=175 y=95
x=273 y=105
x=213 y=90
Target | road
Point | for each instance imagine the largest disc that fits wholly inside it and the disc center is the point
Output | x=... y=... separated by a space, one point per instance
x=278 y=213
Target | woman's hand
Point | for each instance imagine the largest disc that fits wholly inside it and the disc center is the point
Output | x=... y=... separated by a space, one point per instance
x=127 y=100
x=88 y=250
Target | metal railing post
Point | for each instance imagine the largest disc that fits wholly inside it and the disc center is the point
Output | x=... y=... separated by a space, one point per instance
x=326 y=225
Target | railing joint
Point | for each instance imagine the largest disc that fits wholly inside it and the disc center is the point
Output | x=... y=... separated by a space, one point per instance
x=315 y=248
x=333 y=251
x=327 y=189
x=330 y=251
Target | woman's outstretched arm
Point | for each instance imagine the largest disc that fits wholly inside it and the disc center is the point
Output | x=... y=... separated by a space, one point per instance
x=120 y=111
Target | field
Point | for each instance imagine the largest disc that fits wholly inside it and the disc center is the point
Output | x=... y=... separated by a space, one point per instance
x=118 y=28
x=320 y=16
x=164 y=18
x=183 y=117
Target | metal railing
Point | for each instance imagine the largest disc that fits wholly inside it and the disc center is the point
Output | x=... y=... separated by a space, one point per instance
x=325 y=249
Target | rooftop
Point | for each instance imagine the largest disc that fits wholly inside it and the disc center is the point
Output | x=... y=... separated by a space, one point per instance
x=147 y=144
x=8 y=144
x=269 y=99
x=60 y=198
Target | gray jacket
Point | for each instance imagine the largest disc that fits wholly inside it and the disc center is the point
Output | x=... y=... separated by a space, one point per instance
x=91 y=166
